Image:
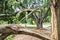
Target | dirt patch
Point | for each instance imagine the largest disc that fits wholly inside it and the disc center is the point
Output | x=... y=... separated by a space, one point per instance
x=25 y=37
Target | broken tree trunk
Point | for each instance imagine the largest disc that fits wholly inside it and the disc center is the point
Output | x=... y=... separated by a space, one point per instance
x=55 y=9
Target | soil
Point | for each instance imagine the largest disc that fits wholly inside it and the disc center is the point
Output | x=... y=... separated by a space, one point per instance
x=25 y=37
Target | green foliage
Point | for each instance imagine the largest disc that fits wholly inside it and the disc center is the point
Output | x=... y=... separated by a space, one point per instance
x=10 y=37
x=9 y=7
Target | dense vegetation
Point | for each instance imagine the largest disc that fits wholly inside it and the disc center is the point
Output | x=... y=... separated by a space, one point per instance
x=9 y=12
x=8 y=7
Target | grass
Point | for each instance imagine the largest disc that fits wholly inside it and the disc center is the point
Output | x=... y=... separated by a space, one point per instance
x=10 y=37
x=46 y=23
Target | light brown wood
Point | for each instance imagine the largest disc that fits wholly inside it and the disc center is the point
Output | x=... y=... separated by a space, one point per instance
x=54 y=24
x=7 y=30
x=55 y=10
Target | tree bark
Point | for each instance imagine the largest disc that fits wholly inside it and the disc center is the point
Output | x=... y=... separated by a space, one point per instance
x=55 y=10
x=17 y=29
x=39 y=23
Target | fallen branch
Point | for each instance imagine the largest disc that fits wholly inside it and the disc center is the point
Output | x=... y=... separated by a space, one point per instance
x=17 y=29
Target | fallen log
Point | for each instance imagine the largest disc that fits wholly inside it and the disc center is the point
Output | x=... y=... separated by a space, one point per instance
x=7 y=30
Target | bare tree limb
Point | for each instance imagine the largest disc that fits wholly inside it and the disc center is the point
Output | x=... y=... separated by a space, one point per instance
x=18 y=12
x=30 y=13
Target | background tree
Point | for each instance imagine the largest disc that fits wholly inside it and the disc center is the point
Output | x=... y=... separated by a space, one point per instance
x=9 y=10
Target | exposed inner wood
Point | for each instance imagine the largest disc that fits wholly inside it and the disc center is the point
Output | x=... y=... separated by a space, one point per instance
x=18 y=29
x=55 y=10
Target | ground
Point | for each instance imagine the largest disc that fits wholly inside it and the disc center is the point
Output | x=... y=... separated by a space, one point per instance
x=25 y=37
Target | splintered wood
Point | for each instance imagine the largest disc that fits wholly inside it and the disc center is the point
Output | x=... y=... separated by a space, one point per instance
x=32 y=32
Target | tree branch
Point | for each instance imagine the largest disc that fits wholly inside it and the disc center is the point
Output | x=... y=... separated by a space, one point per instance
x=17 y=29
x=18 y=12
x=46 y=13
x=30 y=13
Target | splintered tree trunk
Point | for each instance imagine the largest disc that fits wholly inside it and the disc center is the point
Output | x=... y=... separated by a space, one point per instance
x=55 y=20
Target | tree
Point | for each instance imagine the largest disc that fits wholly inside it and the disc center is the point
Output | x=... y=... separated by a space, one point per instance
x=55 y=9
x=13 y=11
